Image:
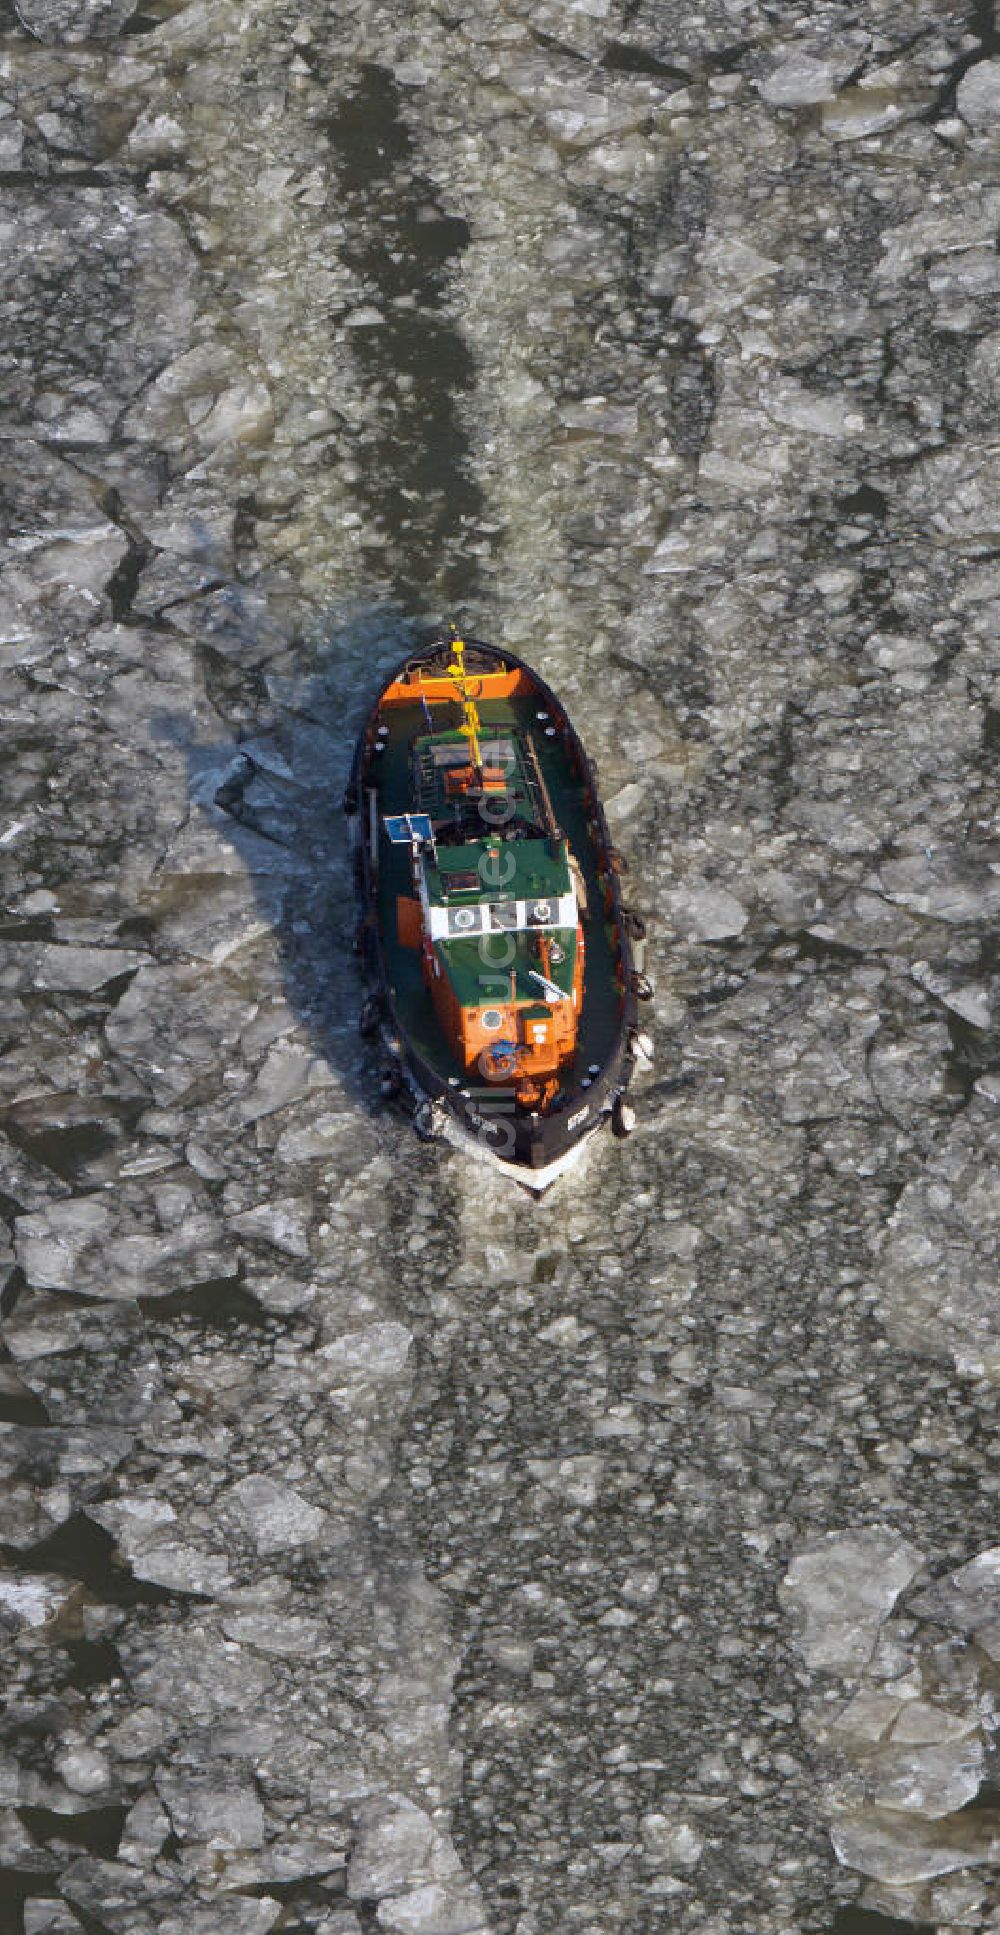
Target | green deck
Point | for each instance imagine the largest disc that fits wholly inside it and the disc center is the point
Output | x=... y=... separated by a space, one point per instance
x=600 y=1018
x=477 y=985
x=527 y=871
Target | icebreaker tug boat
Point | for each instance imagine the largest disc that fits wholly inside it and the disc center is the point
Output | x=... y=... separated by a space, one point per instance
x=504 y=974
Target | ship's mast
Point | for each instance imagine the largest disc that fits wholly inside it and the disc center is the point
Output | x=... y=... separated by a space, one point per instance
x=471 y=726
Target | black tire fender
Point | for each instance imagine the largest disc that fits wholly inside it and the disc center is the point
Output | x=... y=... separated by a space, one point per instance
x=425 y=1120
x=370 y=1016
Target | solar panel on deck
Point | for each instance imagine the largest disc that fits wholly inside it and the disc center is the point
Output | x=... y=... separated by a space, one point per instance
x=404 y=827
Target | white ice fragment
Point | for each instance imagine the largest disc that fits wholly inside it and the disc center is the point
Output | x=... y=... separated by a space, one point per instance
x=412 y=73
x=938 y=229
x=974 y=1004
x=674 y=553
x=74 y=1246
x=836 y=583
x=73 y=20
x=224 y=1816
x=242 y=414
x=396 y=1848
x=435 y=1909
x=276 y=1515
x=75 y=422
x=78 y=970
x=143 y=1528
x=895 y=1849
x=896 y=652
x=84 y=1770
x=146 y=1828
x=746 y=480
x=284 y=1224
x=289 y=1072
x=973 y=272
x=583 y=119
x=282 y=1294
x=921 y=1723
x=206 y=396
x=271 y=181
x=702 y=911
x=156 y=137
x=788 y=403
x=206 y=535
x=11 y=144
x=138 y=1513
x=183 y=1568
x=32 y=1598
x=83 y=560
x=627 y=800
x=978 y=94
x=868 y=1717
x=669 y=1841
x=932 y=1779
x=802 y=80
x=378 y=1350
x=600 y=418
x=843 y=1589
x=265 y=754
x=668 y=270
x=727 y=258
x=279 y=1633
x=858 y=113
x=49 y=1244
x=968 y=1597
x=564 y=1332
x=940 y=883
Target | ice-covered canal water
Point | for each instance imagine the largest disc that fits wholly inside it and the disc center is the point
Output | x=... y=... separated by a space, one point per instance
x=382 y=1550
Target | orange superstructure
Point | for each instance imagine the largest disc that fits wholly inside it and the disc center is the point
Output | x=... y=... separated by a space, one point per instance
x=489 y=685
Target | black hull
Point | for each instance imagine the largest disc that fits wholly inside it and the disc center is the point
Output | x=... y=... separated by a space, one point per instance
x=528 y=1142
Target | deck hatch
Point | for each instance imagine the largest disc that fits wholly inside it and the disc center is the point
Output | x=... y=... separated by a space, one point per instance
x=465 y=920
